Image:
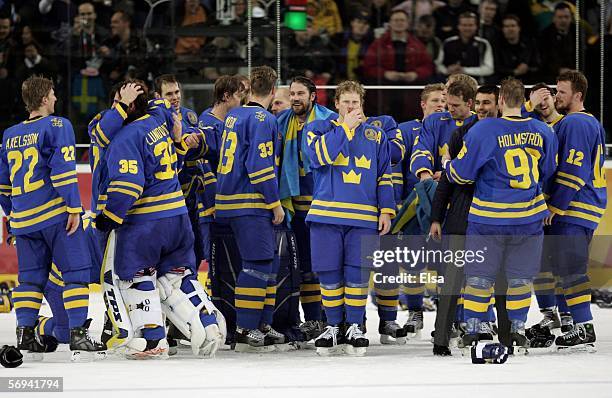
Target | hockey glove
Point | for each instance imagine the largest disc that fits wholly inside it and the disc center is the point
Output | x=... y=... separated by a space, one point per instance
x=105 y=224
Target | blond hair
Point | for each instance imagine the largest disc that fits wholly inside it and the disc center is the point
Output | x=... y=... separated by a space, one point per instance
x=34 y=90
x=350 y=86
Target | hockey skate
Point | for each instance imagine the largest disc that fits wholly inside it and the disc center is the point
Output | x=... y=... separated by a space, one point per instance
x=466 y=342
x=83 y=347
x=391 y=333
x=356 y=342
x=580 y=339
x=414 y=324
x=457 y=333
x=274 y=338
x=551 y=319
x=330 y=342
x=539 y=336
x=486 y=332
x=312 y=329
x=140 y=348
x=567 y=322
x=441 y=351
x=252 y=340
x=520 y=342
x=29 y=342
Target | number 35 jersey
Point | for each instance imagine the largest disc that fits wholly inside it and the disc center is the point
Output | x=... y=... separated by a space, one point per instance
x=247 y=181
x=508 y=159
x=38 y=178
x=142 y=173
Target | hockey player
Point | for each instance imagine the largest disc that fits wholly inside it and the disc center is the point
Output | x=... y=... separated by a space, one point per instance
x=577 y=202
x=425 y=162
x=352 y=200
x=247 y=197
x=296 y=192
x=547 y=287
x=39 y=188
x=507 y=159
x=153 y=237
x=195 y=172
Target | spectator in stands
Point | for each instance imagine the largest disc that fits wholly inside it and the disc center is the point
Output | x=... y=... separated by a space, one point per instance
x=488 y=26
x=193 y=14
x=326 y=17
x=420 y=8
x=33 y=63
x=425 y=31
x=466 y=53
x=25 y=37
x=557 y=44
x=515 y=54
x=7 y=70
x=447 y=18
x=87 y=37
x=281 y=101
x=57 y=13
x=124 y=52
x=379 y=13
x=397 y=57
x=309 y=56
x=351 y=46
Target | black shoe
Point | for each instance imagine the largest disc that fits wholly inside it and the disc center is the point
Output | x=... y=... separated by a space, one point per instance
x=581 y=334
x=441 y=351
x=272 y=336
x=80 y=340
x=330 y=338
x=468 y=340
x=567 y=322
x=539 y=336
x=28 y=340
x=250 y=337
x=519 y=339
x=356 y=337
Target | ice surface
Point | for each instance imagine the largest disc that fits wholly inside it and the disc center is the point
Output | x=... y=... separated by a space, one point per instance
x=395 y=370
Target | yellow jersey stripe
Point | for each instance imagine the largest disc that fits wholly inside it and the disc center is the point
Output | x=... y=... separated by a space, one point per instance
x=585 y=206
x=579 y=214
x=570 y=177
x=124 y=191
x=159 y=198
x=36 y=220
x=345 y=205
x=239 y=196
x=236 y=206
x=263 y=179
x=101 y=135
x=508 y=214
x=157 y=208
x=318 y=152
x=112 y=216
x=340 y=214
x=567 y=184
x=37 y=209
x=262 y=171
x=325 y=152
x=63 y=175
x=501 y=205
x=126 y=184
x=66 y=182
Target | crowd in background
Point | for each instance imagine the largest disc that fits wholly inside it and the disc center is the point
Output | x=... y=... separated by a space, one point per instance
x=87 y=46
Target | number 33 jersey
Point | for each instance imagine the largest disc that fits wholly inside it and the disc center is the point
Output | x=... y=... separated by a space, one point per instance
x=508 y=159
x=38 y=178
x=142 y=173
x=247 y=181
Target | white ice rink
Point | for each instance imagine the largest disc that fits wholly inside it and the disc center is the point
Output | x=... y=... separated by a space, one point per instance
x=391 y=371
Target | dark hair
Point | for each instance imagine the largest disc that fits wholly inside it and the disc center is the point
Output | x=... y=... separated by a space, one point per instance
x=563 y=6
x=226 y=85
x=306 y=82
x=578 y=81
x=161 y=79
x=113 y=91
x=462 y=89
x=141 y=103
x=489 y=89
x=468 y=14
x=538 y=86
x=400 y=11
x=34 y=90
x=263 y=80
x=512 y=17
x=513 y=92
x=427 y=20
x=124 y=16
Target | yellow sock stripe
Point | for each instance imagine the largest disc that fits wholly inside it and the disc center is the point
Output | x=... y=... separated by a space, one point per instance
x=570 y=302
x=310 y=287
x=333 y=292
x=37 y=295
x=473 y=291
x=387 y=303
x=41 y=325
x=356 y=291
x=333 y=303
x=386 y=292
x=475 y=306
x=583 y=287
x=76 y=304
x=310 y=299
x=251 y=291
x=81 y=291
x=515 y=291
x=355 y=302
x=27 y=304
x=253 y=305
x=518 y=304
x=538 y=287
x=413 y=290
x=56 y=281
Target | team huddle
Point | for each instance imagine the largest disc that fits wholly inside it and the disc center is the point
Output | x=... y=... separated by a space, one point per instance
x=498 y=172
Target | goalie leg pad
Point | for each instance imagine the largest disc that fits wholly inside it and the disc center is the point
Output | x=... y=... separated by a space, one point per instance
x=186 y=304
x=143 y=304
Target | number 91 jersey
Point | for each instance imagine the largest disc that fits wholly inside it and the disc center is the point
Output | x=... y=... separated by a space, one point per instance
x=248 y=160
x=38 y=178
x=142 y=173
x=508 y=159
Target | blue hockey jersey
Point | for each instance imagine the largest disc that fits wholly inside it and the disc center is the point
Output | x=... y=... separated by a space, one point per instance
x=38 y=173
x=102 y=130
x=142 y=173
x=432 y=142
x=247 y=182
x=352 y=174
x=410 y=131
x=577 y=194
x=507 y=159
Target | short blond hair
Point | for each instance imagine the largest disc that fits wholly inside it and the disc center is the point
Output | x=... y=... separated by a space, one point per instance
x=513 y=92
x=34 y=90
x=350 y=86
x=431 y=88
x=462 y=77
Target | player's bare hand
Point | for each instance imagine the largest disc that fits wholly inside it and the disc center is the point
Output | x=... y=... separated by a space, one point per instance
x=425 y=175
x=73 y=223
x=392 y=75
x=435 y=231
x=353 y=118
x=177 y=129
x=548 y=220
x=437 y=175
x=538 y=96
x=384 y=224
x=192 y=140
x=130 y=92
x=279 y=215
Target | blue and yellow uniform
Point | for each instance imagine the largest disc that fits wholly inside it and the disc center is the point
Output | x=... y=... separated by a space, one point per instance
x=432 y=142
x=352 y=187
x=507 y=159
x=577 y=195
x=247 y=191
x=410 y=131
x=38 y=174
